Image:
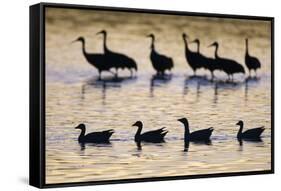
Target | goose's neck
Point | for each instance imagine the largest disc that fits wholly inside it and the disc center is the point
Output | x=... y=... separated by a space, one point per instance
x=186 y=130
x=240 y=130
x=82 y=134
x=139 y=130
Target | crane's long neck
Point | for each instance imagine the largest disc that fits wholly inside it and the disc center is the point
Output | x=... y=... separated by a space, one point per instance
x=185 y=45
x=247 y=49
x=84 y=48
x=82 y=134
x=152 y=44
x=105 y=49
x=198 y=47
x=216 y=51
x=240 y=130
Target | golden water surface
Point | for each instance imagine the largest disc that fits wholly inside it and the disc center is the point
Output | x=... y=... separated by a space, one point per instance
x=73 y=96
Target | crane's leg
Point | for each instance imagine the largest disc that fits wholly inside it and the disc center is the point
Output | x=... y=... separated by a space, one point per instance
x=194 y=72
x=131 y=71
x=116 y=74
x=99 y=75
x=256 y=72
x=212 y=75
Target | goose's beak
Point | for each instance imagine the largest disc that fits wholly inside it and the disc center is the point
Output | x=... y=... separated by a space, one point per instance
x=135 y=124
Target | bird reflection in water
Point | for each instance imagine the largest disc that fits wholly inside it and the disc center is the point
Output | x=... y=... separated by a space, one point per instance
x=248 y=82
x=157 y=81
x=104 y=85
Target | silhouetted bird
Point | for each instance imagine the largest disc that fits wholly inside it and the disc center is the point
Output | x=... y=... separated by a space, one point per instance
x=159 y=62
x=156 y=136
x=119 y=61
x=207 y=63
x=193 y=59
x=200 y=135
x=251 y=62
x=97 y=60
x=251 y=134
x=230 y=67
x=94 y=137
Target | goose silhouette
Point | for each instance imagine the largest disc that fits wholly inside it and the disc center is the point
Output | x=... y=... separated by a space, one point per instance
x=208 y=63
x=230 y=67
x=250 y=134
x=118 y=60
x=251 y=62
x=193 y=58
x=200 y=135
x=94 y=137
x=155 y=136
x=99 y=61
x=160 y=62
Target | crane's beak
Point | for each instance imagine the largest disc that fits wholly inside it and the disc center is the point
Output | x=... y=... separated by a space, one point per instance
x=73 y=41
x=211 y=45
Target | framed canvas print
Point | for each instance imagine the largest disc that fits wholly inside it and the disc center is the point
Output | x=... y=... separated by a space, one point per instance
x=123 y=95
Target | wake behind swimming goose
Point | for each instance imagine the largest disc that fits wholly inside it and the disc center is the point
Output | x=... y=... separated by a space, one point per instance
x=160 y=62
x=118 y=60
x=230 y=67
x=200 y=135
x=207 y=63
x=94 y=137
x=251 y=62
x=250 y=134
x=155 y=136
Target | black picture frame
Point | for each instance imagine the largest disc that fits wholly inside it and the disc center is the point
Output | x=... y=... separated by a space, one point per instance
x=37 y=94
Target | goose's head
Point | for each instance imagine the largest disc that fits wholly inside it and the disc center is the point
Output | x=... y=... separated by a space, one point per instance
x=102 y=32
x=215 y=44
x=137 y=124
x=183 y=120
x=240 y=123
x=81 y=126
x=81 y=39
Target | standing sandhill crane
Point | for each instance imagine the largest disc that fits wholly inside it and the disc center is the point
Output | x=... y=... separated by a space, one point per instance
x=252 y=63
x=159 y=62
x=208 y=63
x=99 y=61
x=116 y=59
x=192 y=58
x=230 y=67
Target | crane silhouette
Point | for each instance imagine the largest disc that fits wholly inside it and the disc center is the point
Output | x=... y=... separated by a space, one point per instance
x=230 y=67
x=159 y=62
x=118 y=60
x=193 y=58
x=251 y=62
x=208 y=63
x=99 y=61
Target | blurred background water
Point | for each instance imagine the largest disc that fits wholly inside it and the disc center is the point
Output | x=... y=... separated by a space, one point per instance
x=74 y=96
